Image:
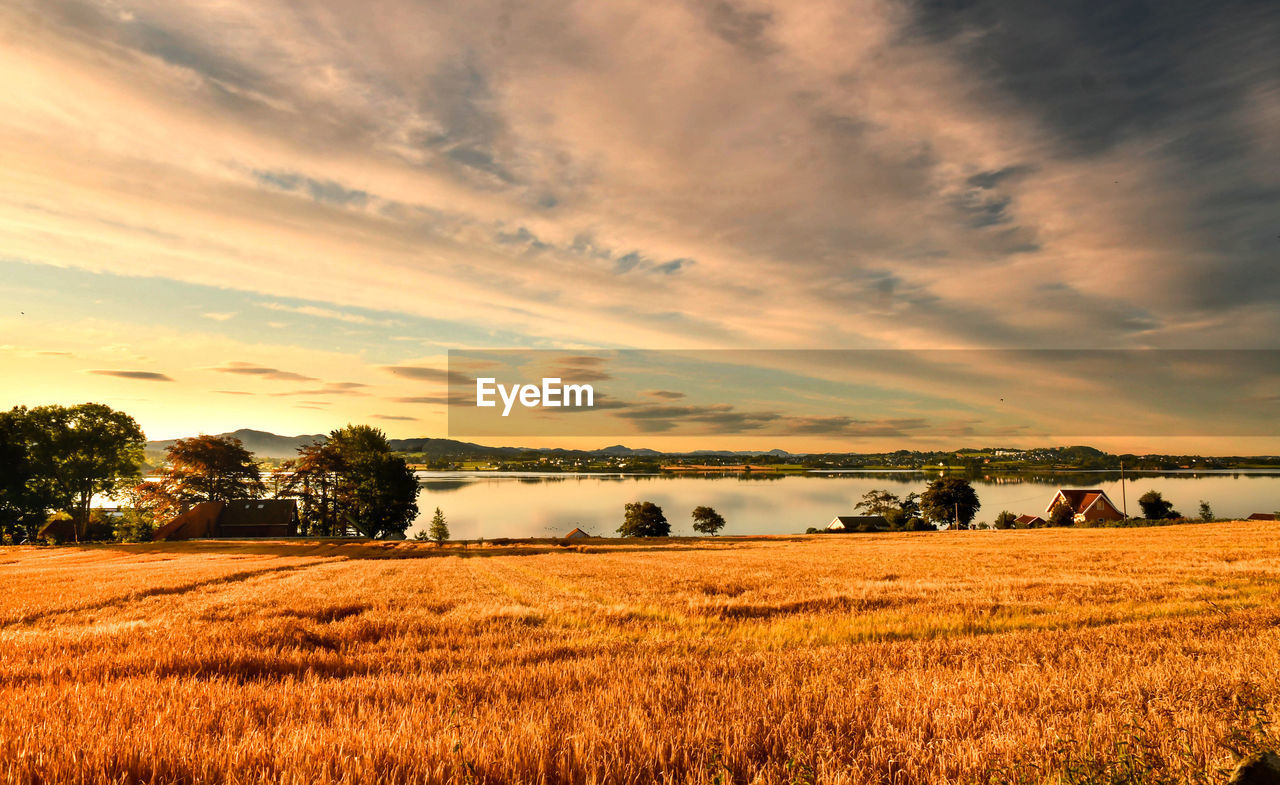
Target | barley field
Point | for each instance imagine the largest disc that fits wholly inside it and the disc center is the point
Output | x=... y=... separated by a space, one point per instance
x=894 y=658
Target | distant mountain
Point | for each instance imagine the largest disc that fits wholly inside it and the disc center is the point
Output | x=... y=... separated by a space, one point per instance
x=270 y=445
x=620 y=450
x=440 y=447
x=260 y=443
x=731 y=453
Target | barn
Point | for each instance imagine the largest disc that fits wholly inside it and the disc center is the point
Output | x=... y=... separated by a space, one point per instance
x=577 y=534
x=235 y=519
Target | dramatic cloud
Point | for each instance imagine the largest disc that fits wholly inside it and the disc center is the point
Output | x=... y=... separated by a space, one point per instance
x=390 y=183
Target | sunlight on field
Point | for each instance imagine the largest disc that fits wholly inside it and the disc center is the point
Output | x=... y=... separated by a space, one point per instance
x=907 y=658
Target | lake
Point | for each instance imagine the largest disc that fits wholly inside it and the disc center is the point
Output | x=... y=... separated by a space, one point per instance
x=495 y=504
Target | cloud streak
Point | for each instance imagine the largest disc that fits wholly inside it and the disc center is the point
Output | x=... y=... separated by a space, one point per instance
x=144 y=376
x=263 y=372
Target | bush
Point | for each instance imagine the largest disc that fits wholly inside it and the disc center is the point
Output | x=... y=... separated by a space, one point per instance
x=1062 y=515
x=134 y=525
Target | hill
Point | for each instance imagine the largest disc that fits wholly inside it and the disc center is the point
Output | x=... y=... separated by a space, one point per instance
x=261 y=443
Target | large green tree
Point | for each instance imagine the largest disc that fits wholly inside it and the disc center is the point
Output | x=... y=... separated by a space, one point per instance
x=77 y=452
x=948 y=496
x=353 y=481
x=644 y=519
x=25 y=499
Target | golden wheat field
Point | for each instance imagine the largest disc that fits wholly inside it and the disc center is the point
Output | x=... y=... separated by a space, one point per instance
x=892 y=658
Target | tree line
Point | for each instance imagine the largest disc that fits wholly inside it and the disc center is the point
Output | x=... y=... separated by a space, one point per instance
x=55 y=459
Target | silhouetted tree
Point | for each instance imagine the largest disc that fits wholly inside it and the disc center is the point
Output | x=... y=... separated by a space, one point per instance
x=910 y=505
x=1005 y=520
x=1206 y=512
x=707 y=521
x=200 y=469
x=946 y=496
x=878 y=502
x=644 y=519
x=1154 y=507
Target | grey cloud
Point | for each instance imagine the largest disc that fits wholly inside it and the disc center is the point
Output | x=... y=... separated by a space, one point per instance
x=426 y=374
x=667 y=268
x=146 y=376
x=714 y=418
x=1180 y=79
x=263 y=372
x=668 y=395
x=330 y=388
x=321 y=191
x=451 y=399
x=747 y=30
x=847 y=426
x=993 y=178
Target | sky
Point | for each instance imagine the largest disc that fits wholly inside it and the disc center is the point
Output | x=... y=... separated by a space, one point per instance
x=284 y=216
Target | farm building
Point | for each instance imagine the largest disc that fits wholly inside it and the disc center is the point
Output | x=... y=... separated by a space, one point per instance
x=1089 y=505
x=1263 y=516
x=234 y=519
x=1029 y=521
x=577 y=534
x=58 y=530
x=853 y=523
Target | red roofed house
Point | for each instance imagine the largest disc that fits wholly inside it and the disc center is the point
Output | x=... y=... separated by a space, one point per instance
x=1088 y=505
x=1263 y=516
x=1029 y=522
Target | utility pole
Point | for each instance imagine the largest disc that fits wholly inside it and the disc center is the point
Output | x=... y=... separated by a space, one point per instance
x=957 y=515
x=1124 y=501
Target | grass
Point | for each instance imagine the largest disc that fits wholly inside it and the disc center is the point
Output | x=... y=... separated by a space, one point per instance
x=1015 y=656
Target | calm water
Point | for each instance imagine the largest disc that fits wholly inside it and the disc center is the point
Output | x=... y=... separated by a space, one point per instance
x=490 y=504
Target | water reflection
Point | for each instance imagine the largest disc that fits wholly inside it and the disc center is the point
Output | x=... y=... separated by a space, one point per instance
x=510 y=504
